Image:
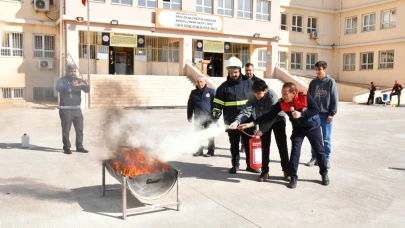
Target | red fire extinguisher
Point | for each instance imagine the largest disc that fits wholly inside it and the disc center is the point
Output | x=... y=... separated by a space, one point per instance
x=255 y=145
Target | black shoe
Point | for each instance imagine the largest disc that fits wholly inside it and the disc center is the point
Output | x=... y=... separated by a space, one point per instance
x=67 y=151
x=253 y=170
x=293 y=182
x=209 y=155
x=198 y=153
x=82 y=150
x=325 y=180
x=233 y=170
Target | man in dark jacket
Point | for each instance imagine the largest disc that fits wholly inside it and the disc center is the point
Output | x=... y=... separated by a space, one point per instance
x=324 y=91
x=302 y=111
x=70 y=89
x=263 y=102
x=373 y=88
x=231 y=98
x=250 y=72
x=200 y=104
x=396 y=90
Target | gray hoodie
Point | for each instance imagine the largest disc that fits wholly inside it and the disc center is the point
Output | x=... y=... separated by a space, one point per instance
x=325 y=95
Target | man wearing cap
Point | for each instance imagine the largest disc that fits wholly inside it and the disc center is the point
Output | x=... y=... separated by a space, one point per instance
x=231 y=97
x=70 y=88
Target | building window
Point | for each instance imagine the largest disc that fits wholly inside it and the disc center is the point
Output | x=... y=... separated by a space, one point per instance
x=98 y=0
x=262 y=58
x=172 y=4
x=296 y=61
x=147 y=3
x=311 y=60
x=283 y=25
x=12 y=44
x=388 y=18
x=349 y=62
x=312 y=24
x=368 y=22
x=351 y=25
x=386 y=59
x=245 y=9
x=282 y=59
x=122 y=2
x=263 y=10
x=204 y=6
x=367 y=60
x=297 y=23
x=225 y=7
x=44 y=46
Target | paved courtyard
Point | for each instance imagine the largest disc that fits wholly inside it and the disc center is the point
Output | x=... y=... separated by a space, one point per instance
x=42 y=187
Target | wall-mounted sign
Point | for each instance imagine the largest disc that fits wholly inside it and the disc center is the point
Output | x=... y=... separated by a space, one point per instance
x=227 y=47
x=123 y=40
x=213 y=46
x=199 y=45
x=105 y=37
x=172 y=19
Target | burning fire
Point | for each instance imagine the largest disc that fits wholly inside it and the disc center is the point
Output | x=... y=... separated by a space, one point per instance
x=133 y=162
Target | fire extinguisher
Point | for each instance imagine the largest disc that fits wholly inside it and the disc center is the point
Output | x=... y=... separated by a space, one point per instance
x=255 y=146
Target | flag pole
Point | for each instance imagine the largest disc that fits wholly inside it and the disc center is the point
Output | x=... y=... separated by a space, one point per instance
x=88 y=50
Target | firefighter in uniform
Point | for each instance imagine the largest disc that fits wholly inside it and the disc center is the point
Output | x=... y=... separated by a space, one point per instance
x=373 y=88
x=70 y=88
x=303 y=114
x=396 y=90
x=199 y=104
x=231 y=97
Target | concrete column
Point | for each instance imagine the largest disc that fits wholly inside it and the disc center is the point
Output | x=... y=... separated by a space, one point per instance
x=72 y=42
x=254 y=4
x=214 y=7
x=185 y=53
x=272 y=53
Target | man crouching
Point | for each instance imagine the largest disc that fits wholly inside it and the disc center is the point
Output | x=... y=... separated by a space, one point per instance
x=303 y=114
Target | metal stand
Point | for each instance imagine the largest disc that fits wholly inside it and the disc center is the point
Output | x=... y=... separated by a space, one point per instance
x=126 y=210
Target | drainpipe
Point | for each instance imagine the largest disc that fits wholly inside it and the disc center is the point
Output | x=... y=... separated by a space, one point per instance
x=60 y=37
x=340 y=23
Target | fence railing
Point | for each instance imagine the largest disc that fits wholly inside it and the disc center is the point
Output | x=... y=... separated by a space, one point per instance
x=208 y=78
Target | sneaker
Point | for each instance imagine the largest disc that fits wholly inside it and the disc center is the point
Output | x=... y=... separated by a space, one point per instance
x=199 y=153
x=82 y=150
x=253 y=170
x=233 y=170
x=208 y=155
x=293 y=182
x=325 y=180
x=328 y=164
x=242 y=148
x=67 y=151
x=312 y=162
x=286 y=176
x=264 y=176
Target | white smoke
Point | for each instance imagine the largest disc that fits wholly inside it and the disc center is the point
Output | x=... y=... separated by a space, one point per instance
x=140 y=130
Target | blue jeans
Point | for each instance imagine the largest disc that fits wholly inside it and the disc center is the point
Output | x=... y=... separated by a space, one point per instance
x=326 y=132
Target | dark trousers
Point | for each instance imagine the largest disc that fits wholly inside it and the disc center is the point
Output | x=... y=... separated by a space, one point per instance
x=370 y=98
x=281 y=139
x=111 y=69
x=314 y=136
x=399 y=97
x=68 y=117
x=211 y=142
x=234 y=139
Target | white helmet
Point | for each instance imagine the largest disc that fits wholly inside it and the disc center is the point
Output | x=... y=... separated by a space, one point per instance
x=234 y=62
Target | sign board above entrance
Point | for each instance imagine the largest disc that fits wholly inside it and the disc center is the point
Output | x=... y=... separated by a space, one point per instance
x=123 y=40
x=192 y=21
x=213 y=46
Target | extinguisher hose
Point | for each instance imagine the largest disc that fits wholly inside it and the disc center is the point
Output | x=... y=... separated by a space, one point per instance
x=252 y=136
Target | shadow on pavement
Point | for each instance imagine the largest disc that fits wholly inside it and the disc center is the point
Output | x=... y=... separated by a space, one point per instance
x=31 y=147
x=401 y=169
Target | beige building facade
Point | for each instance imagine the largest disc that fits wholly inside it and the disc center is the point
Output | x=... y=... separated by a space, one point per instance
x=361 y=41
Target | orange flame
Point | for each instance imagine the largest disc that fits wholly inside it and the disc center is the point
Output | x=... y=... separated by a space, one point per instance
x=133 y=162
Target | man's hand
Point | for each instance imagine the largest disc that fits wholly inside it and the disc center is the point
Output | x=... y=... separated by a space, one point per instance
x=259 y=133
x=85 y=83
x=233 y=126
x=189 y=120
x=330 y=118
x=75 y=83
x=296 y=114
x=246 y=125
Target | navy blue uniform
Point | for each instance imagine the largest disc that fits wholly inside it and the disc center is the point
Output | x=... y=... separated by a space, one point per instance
x=306 y=126
x=200 y=104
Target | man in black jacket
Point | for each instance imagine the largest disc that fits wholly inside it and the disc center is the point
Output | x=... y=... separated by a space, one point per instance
x=373 y=88
x=231 y=98
x=302 y=111
x=200 y=104
x=250 y=72
x=263 y=102
x=70 y=89
x=396 y=90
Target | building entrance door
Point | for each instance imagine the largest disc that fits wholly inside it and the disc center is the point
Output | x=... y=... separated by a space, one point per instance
x=120 y=63
x=215 y=67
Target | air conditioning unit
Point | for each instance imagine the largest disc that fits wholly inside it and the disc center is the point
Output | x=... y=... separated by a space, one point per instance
x=41 y=5
x=45 y=64
x=314 y=35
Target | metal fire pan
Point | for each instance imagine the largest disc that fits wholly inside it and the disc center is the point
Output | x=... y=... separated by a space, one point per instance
x=147 y=186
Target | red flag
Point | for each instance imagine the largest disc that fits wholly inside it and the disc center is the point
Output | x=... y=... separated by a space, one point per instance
x=84 y=2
